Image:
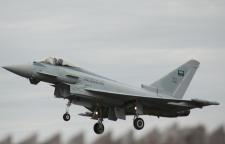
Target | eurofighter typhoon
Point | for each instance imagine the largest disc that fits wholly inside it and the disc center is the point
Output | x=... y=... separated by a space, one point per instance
x=106 y=98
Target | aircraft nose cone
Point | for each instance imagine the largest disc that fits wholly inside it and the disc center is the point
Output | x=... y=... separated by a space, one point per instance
x=22 y=70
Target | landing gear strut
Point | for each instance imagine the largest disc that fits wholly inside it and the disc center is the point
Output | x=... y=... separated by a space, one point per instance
x=66 y=116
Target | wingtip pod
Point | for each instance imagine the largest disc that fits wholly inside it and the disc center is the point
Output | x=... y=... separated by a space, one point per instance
x=214 y=103
x=202 y=103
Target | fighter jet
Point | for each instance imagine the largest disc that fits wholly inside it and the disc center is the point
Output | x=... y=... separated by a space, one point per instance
x=106 y=98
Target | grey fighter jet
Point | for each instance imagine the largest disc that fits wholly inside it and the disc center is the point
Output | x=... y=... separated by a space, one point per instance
x=106 y=98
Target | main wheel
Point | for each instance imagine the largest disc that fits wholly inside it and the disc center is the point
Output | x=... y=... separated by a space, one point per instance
x=98 y=128
x=139 y=123
x=66 y=117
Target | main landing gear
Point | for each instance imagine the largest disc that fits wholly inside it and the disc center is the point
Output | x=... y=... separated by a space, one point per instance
x=66 y=116
x=138 y=122
x=98 y=114
x=98 y=127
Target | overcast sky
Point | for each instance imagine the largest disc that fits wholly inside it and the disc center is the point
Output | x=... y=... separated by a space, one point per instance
x=133 y=41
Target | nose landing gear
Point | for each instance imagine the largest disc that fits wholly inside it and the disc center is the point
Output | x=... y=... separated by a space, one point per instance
x=66 y=116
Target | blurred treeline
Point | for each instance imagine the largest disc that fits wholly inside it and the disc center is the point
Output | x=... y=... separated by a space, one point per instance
x=172 y=135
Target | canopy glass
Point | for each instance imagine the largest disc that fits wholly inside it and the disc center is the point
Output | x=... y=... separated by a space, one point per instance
x=55 y=61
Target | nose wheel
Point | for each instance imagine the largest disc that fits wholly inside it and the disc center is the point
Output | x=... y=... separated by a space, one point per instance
x=138 y=123
x=66 y=116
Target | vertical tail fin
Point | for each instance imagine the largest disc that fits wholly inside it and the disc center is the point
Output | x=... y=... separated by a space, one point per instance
x=176 y=82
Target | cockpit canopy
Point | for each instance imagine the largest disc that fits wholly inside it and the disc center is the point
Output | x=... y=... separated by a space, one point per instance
x=58 y=62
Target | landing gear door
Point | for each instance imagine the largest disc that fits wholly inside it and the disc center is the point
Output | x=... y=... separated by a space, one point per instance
x=120 y=113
